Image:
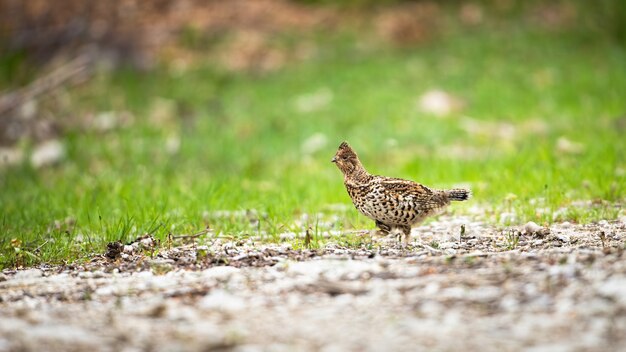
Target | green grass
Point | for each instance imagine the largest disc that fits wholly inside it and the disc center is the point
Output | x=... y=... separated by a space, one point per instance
x=241 y=140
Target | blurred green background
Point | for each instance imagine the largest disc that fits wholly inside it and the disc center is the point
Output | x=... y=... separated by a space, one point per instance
x=174 y=116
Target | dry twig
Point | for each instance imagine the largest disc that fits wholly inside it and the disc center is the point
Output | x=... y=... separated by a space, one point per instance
x=79 y=67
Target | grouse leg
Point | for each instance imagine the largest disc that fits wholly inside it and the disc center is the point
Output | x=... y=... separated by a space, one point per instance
x=384 y=228
x=406 y=231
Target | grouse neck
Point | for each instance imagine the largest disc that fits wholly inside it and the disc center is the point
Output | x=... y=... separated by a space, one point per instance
x=359 y=174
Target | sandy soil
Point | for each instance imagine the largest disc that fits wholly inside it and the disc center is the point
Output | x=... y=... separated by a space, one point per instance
x=494 y=289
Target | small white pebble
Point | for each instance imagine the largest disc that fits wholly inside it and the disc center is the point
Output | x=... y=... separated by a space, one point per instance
x=531 y=227
x=566 y=224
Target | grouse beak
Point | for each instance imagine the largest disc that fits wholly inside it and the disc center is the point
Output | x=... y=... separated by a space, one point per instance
x=334 y=159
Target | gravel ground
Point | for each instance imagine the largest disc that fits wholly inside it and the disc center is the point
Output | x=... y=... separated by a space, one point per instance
x=501 y=289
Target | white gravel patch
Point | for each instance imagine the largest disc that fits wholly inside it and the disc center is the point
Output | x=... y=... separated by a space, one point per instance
x=545 y=294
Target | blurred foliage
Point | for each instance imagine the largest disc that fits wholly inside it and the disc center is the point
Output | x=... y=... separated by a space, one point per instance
x=612 y=18
x=604 y=16
x=125 y=30
x=352 y=3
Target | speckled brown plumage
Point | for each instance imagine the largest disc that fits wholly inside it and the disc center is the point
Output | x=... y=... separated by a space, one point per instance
x=391 y=202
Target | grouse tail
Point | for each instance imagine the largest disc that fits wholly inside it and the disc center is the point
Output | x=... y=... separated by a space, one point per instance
x=459 y=194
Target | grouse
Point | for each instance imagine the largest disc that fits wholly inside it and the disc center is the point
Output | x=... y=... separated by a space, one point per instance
x=393 y=203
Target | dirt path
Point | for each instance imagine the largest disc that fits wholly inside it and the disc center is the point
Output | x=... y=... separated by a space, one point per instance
x=562 y=290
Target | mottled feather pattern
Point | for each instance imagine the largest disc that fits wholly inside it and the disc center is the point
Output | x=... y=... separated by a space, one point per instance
x=391 y=202
x=459 y=194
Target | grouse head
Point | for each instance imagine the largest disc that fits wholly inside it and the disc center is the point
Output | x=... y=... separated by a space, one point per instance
x=346 y=159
